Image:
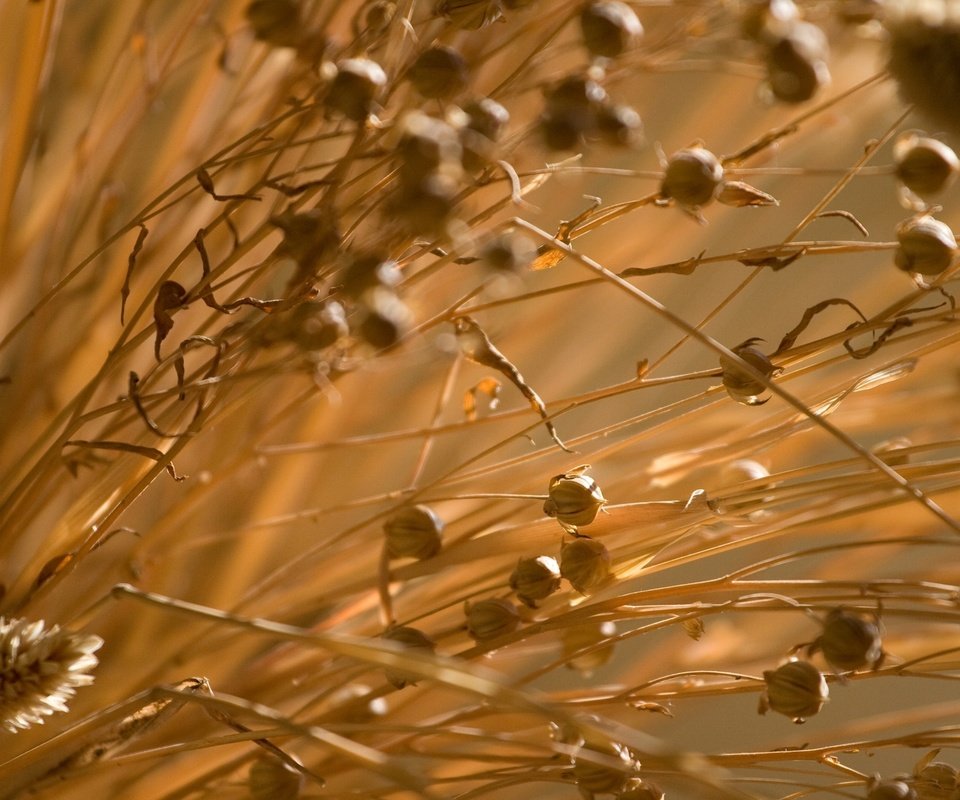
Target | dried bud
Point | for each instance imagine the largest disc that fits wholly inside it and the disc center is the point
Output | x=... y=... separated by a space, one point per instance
x=693 y=177
x=413 y=532
x=849 y=641
x=795 y=689
x=740 y=385
x=439 y=73
x=927 y=246
x=936 y=781
x=574 y=499
x=925 y=166
x=470 y=14
x=593 y=637
x=609 y=28
x=271 y=779
x=355 y=88
x=619 y=125
x=384 y=318
x=739 y=194
x=489 y=619
x=276 y=22
x=535 y=579
x=586 y=564
x=592 y=777
x=892 y=790
x=411 y=639
x=796 y=63
x=641 y=790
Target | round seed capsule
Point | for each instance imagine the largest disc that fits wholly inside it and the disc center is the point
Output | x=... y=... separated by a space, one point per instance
x=740 y=385
x=271 y=779
x=795 y=689
x=374 y=17
x=427 y=145
x=892 y=790
x=592 y=777
x=355 y=88
x=586 y=564
x=276 y=22
x=849 y=641
x=414 y=532
x=619 y=125
x=509 y=252
x=693 y=177
x=925 y=166
x=487 y=117
x=796 y=63
x=936 y=781
x=491 y=618
x=926 y=246
x=411 y=639
x=590 y=635
x=365 y=271
x=385 y=318
x=574 y=499
x=641 y=790
x=439 y=73
x=609 y=28
x=535 y=579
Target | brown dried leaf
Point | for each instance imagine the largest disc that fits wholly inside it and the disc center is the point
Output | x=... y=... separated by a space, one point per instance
x=491 y=387
x=791 y=336
x=131 y=261
x=170 y=296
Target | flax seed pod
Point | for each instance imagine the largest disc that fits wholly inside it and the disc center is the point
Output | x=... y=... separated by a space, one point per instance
x=892 y=789
x=849 y=641
x=271 y=779
x=741 y=385
x=936 y=781
x=796 y=62
x=924 y=166
x=491 y=618
x=925 y=246
x=574 y=499
x=619 y=125
x=384 y=318
x=355 y=88
x=590 y=635
x=795 y=689
x=535 y=579
x=439 y=73
x=411 y=639
x=413 y=532
x=694 y=177
x=586 y=564
x=609 y=28
x=276 y=22
x=593 y=777
x=571 y=111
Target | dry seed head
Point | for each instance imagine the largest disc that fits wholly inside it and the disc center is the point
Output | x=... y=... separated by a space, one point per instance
x=740 y=385
x=926 y=245
x=572 y=106
x=760 y=18
x=619 y=125
x=588 y=635
x=427 y=145
x=384 y=318
x=411 y=639
x=693 y=177
x=535 y=579
x=586 y=564
x=271 y=779
x=276 y=22
x=509 y=251
x=641 y=790
x=427 y=207
x=40 y=670
x=487 y=117
x=355 y=88
x=925 y=166
x=311 y=326
x=796 y=689
x=849 y=641
x=439 y=73
x=893 y=789
x=609 y=28
x=491 y=618
x=936 y=781
x=413 y=532
x=574 y=499
x=796 y=63
x=363 y=271
x=593 y=777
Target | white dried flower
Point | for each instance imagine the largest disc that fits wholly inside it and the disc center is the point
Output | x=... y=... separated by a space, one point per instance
x=40 y=670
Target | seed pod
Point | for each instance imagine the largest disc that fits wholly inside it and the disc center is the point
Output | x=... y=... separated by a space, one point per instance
x=427 y=145
x=926 y=246
x=588 y=635
x=373 y=17
x=572 y=106
x=936 y=781
x=508 y=252
x=893 y=789
x=310 y=238
x=619 y=125
x=491 y=618
x=796 y=63
x=591 y=777
x=470 y=14
x=609 y=28
x=849 y=641
x=574 y=499
x=411 y=639
x=586 y=564
x=762 y=17
x=276 y=22
x=925 y=166
x=795 y=689
x=355 y=88
x=693 y=177
x=384 y=319
x=311 y=326
x=271 y=779
x=364 y=271
x=487 y=117
x=740 y=385
x=535 y=579
x=426 y=207
x=641 y=790
x=413 y=532
x=439 y=73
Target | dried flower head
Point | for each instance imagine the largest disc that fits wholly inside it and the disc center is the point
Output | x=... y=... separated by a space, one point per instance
x=796 y=689
x=40 y=670
x=586 y=564
x=491 y=618
x=926 y=245
x=609 y=28
x=535 y=579
x=411 y=639
x=414 y=532
x=849 y=641
x=574 y=499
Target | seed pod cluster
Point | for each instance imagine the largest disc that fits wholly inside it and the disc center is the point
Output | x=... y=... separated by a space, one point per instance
x=592 y=777
x=588 y=635
x=355 y=88
x=491 y=618
x=925 y=245
x=574 y=499
x=609 y=28
x=414 y=532
x=271 y=779
x=693 y=177
x=585 y=563
x=535 y=579
x=411 y=639
x=849 y=641
x=795 y=689
x=578 y=108
x=924 y=166
x=740 y=385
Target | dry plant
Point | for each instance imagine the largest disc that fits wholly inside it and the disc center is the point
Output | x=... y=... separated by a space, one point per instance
x=470 y=399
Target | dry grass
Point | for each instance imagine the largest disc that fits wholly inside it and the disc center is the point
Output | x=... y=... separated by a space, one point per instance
x=223 y=532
